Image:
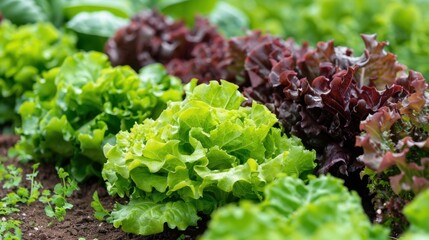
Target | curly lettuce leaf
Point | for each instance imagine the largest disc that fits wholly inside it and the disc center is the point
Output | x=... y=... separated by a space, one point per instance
x=90 y=103
x=395 y=142
x=403 y=23
x=149 y=217
x=417 y=214
x=295 y=210
x=397 y=136
x=206 y=150
x=25 y=53
x=199 y=52
x=322 y=94
x=246 y=221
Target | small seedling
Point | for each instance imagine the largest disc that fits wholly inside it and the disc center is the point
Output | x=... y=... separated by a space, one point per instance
x=12 y=177
x=6 y=208
x=56 y=201
x=10 y=229
x=35 y=185
x=100 y=212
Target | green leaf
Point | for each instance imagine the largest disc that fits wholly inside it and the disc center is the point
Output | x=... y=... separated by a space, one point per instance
x=102 y=24
x=186 y=9
x=92 y=102
x=295 y=210
x=247 y=221
x=231 y=21
x=12 y=177
x=146 y=218
x=49 y=211
x=206 y=151
x=219 y=96
x=417 y=213
x=54 y=10
x=10 y=229
x=95 y=28
x=100 y=212
x=118 y=8
x=22 y=11
x=31 y=11
x=26 y=52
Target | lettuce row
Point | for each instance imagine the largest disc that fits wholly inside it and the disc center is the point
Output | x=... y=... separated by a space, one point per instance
x=318 y=94
x=76 y=108
x=199 y=154
x=295 y=210
x=25 y=53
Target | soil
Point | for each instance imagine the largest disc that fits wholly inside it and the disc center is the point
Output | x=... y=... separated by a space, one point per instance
x=79 y=221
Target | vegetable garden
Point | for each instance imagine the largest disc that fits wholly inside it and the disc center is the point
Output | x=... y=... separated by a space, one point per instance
x=225 y=119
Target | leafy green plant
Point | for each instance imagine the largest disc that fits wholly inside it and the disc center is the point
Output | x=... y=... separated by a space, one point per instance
x=293 y=209
x=92 y=20
x=79 y=107
x=10 y=229
x=100 y=212
x=56 y=201
x=25 y=53
x=118 y=8
x=94 y=28
x=35 y=186
x=199 y=154
x=22 y=194
x=186 y=9
x=6 y=208
x=31 y=11
x=395 y=141
x=230 y=21
x=417 y=214
x=401 y=22
x=11 y=177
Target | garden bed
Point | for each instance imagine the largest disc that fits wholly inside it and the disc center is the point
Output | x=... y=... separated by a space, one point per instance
x=79 y=221
x=140 y=124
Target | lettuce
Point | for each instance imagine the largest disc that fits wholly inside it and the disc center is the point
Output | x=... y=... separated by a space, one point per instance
x=78 y=107
x=25 y=53
x=295 y=210
x=199 y=52
x=199 y=154
x=319 y=95
x=322 y=94
x=395 y=142
x=417 y=214
x=402 y=22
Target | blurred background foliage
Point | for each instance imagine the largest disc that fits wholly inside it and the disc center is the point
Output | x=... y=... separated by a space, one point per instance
x=403 y=23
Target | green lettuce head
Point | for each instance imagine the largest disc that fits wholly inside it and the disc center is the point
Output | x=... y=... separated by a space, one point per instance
x=25 y=53
x=77 y=108
x=198 y=155
x=322 y=209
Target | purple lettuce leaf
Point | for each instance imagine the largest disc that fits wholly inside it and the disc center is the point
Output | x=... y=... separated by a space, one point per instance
x=395 y=141
x=318 y=94
x=199 y=52
x=149 y=38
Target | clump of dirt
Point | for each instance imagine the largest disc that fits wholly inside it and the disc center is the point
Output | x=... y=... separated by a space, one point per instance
x=79 y=221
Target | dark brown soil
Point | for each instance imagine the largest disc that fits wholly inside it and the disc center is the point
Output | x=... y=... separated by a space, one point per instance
x=79 y=221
